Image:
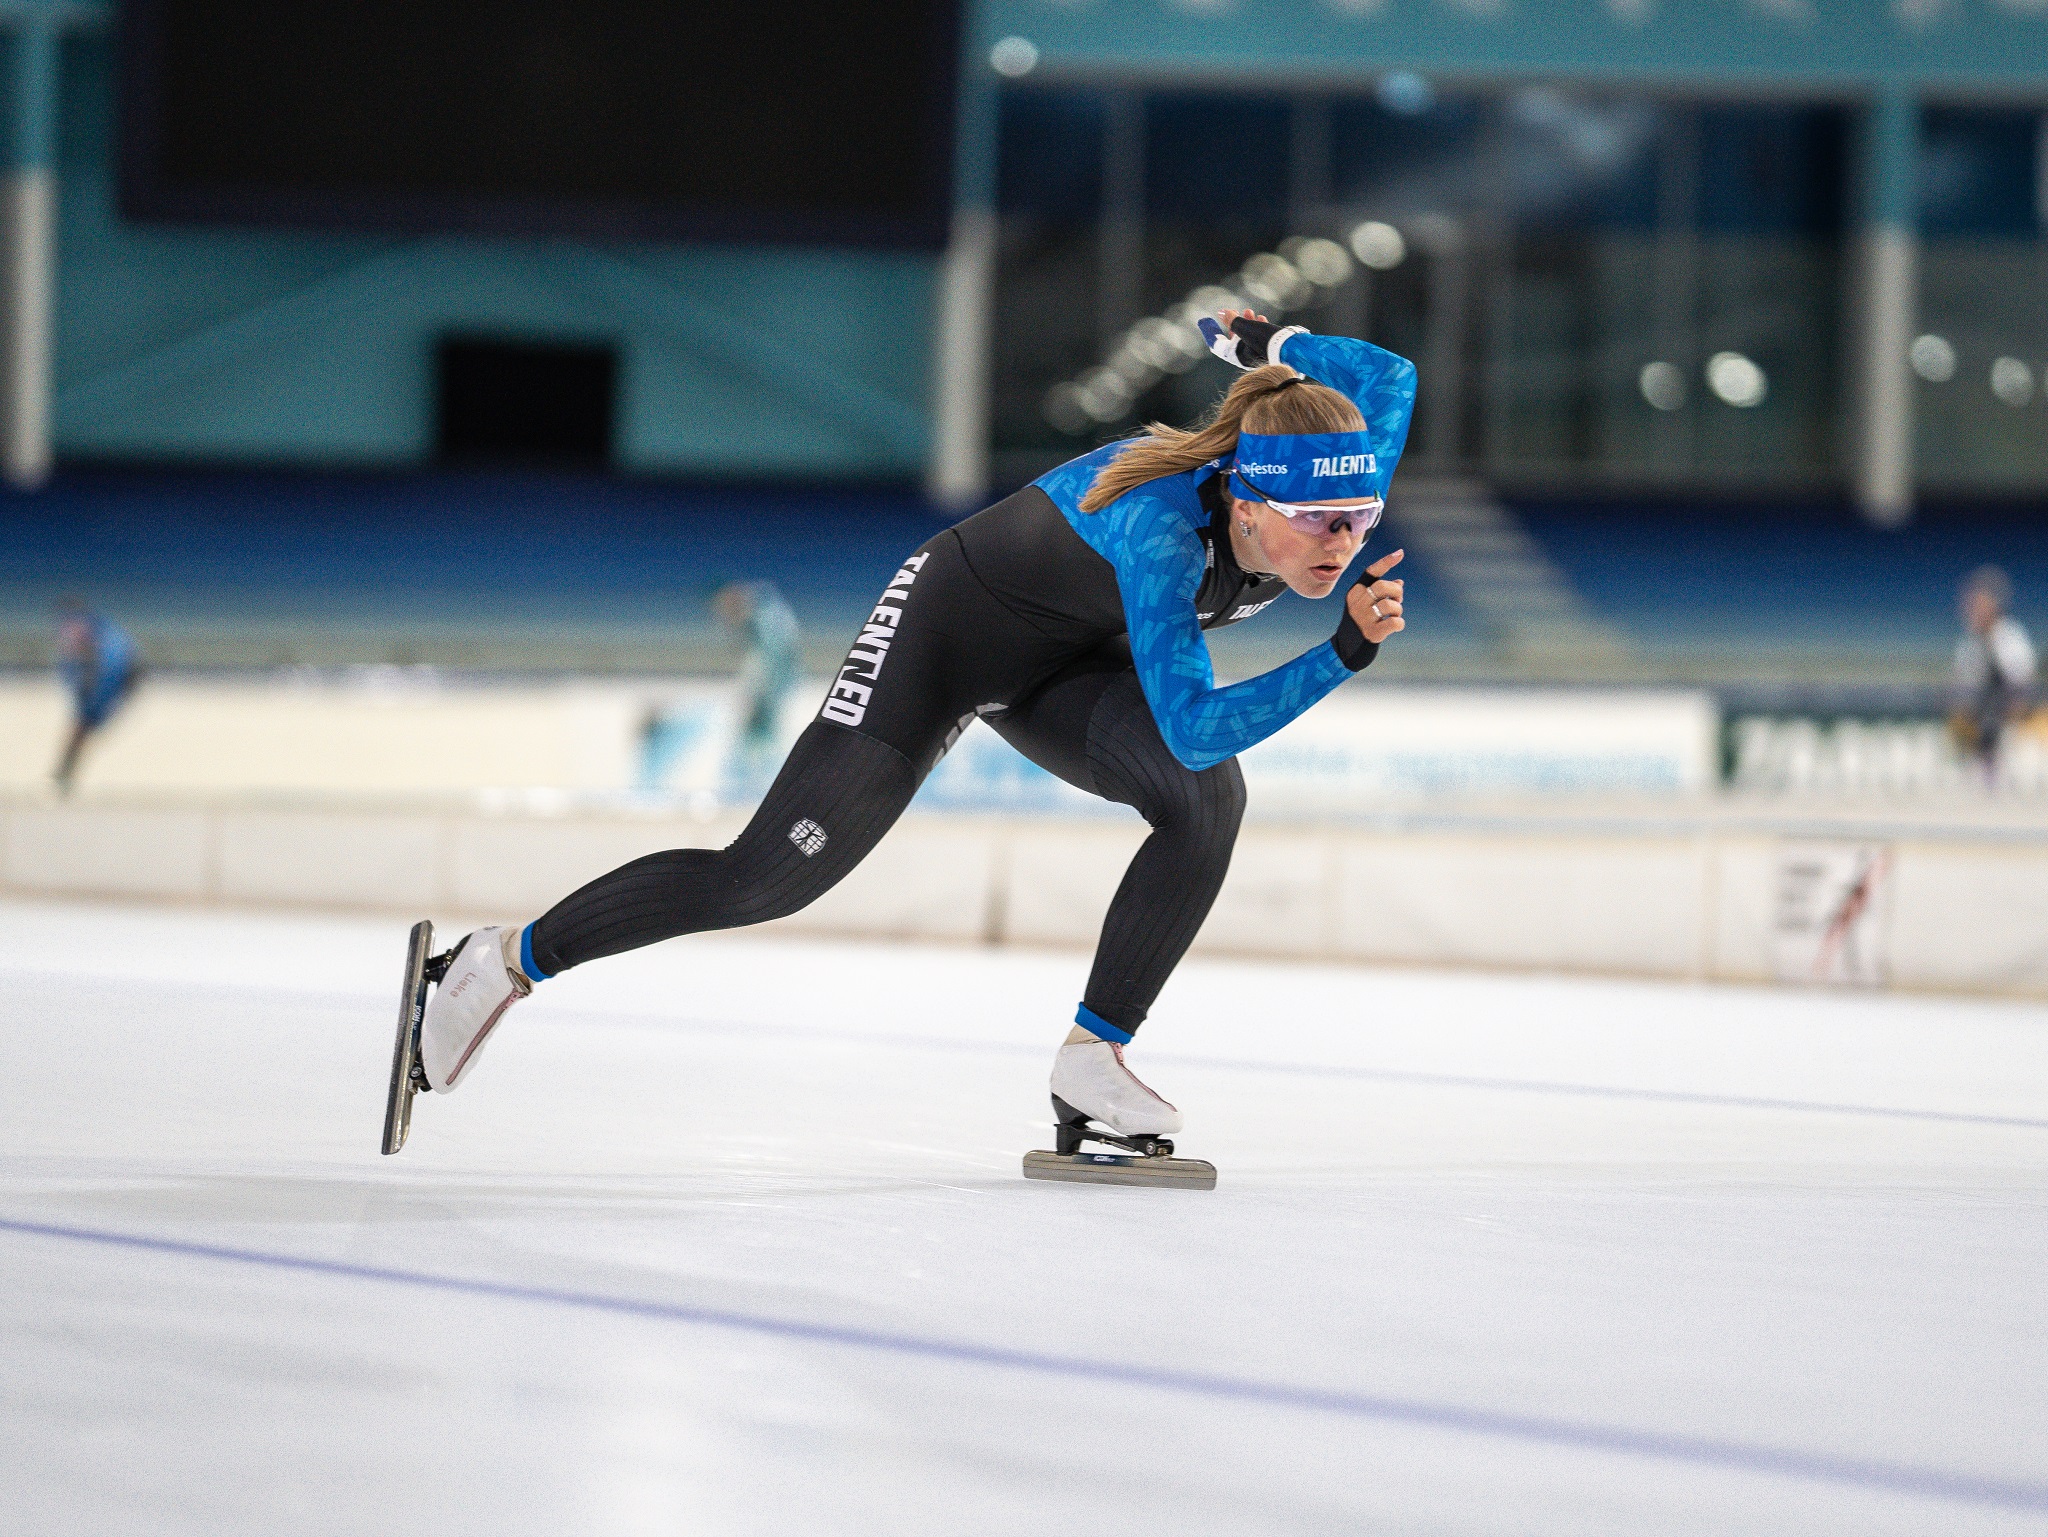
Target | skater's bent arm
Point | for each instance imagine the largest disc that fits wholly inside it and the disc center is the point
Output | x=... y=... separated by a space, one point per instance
x=1160 y=572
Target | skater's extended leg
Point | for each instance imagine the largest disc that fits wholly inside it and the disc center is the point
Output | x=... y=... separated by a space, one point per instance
x=834 y=798
x=934 y=646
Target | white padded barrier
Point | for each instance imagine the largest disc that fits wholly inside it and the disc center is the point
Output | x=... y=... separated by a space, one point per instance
x=1282 y=898
x=1059 y=877
x=113 y=851
x=353 y=860
x=1970 y=915
x=1576 y=901
x=1740 y=894
x=1960 y=908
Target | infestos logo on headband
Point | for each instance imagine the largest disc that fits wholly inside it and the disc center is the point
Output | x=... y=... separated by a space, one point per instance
x=1309 y=466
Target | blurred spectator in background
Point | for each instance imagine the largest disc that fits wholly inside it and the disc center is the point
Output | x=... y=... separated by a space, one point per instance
x=97 y=660
x=1994 y=669
x=767 y=626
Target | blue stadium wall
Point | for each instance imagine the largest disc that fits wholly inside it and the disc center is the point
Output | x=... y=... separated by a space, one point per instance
x=279 y=347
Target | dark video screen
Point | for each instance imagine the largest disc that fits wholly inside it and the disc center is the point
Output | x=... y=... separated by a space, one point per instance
x=805 y=121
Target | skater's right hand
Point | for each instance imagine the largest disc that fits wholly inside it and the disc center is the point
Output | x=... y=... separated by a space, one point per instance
x=1372 y=612
x=1375 y=606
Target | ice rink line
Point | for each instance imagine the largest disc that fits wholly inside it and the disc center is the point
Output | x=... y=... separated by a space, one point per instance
x=1891 y=1478
x=909 y=1041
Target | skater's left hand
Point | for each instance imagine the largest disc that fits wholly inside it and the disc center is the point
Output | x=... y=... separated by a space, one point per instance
x=1374 y=602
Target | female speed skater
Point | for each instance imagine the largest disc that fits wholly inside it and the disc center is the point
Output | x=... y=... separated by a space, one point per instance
x=1069 y=616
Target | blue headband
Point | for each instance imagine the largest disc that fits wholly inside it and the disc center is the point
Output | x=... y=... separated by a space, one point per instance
x=1306 y=467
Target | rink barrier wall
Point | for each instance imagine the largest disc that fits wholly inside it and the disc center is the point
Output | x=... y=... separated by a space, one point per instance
x=1962 y=907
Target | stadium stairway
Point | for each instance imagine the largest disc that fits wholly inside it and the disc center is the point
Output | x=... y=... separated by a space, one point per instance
x=1518 y=599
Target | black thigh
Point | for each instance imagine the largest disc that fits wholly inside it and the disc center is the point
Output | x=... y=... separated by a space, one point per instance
x=1051 y=725
x=936 y=648
x=1092 y=726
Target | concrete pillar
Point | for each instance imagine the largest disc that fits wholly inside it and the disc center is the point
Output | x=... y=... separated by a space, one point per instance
x=28 y=242
x=1120 y=233
x=957 y=475
x=956 y=469
x=1886 y=305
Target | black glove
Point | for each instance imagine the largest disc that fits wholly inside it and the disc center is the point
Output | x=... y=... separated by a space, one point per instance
x=1248 y=343
x=1353 y=649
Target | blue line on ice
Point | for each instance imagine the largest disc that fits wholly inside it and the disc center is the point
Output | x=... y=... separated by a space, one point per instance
x=906 y=1039
x=1735 y=1456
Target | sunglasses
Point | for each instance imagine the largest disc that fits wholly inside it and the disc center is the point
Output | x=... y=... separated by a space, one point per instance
x=1364 y=516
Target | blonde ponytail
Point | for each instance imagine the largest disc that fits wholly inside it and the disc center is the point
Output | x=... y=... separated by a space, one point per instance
x=1272 y=399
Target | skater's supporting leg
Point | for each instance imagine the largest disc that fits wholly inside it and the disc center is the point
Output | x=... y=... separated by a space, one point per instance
x=835 y=797
x=1093 y=728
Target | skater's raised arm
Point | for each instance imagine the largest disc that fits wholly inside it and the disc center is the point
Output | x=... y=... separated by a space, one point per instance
x=1381 y=383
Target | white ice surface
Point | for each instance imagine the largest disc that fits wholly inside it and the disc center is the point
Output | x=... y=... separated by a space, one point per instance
x=728 y=1237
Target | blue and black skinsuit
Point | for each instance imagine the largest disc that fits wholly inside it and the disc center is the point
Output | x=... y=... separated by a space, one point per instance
x=1077 y=637
x=99 y=675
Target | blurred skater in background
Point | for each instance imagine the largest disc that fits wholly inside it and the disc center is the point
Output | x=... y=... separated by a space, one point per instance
x=1994 y=669
x=767 y=626
x=97 y=660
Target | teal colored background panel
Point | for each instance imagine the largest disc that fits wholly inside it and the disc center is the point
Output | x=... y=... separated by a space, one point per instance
x=1708 y=42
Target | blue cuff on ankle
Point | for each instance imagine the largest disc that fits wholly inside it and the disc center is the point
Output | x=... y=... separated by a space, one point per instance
x=1093 y=1022
x=526 y=961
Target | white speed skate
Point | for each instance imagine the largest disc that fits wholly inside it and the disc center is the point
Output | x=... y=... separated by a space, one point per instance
x=1097 y=1098
x=440 y=1039
x=1091 y=1080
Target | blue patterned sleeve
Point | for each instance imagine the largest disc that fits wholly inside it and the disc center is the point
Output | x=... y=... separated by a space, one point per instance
x=1159 y=564
x=1382 y=383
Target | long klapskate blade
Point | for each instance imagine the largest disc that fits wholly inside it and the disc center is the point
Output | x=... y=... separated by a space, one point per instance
x=412 y=1002
x=1120 y=1169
